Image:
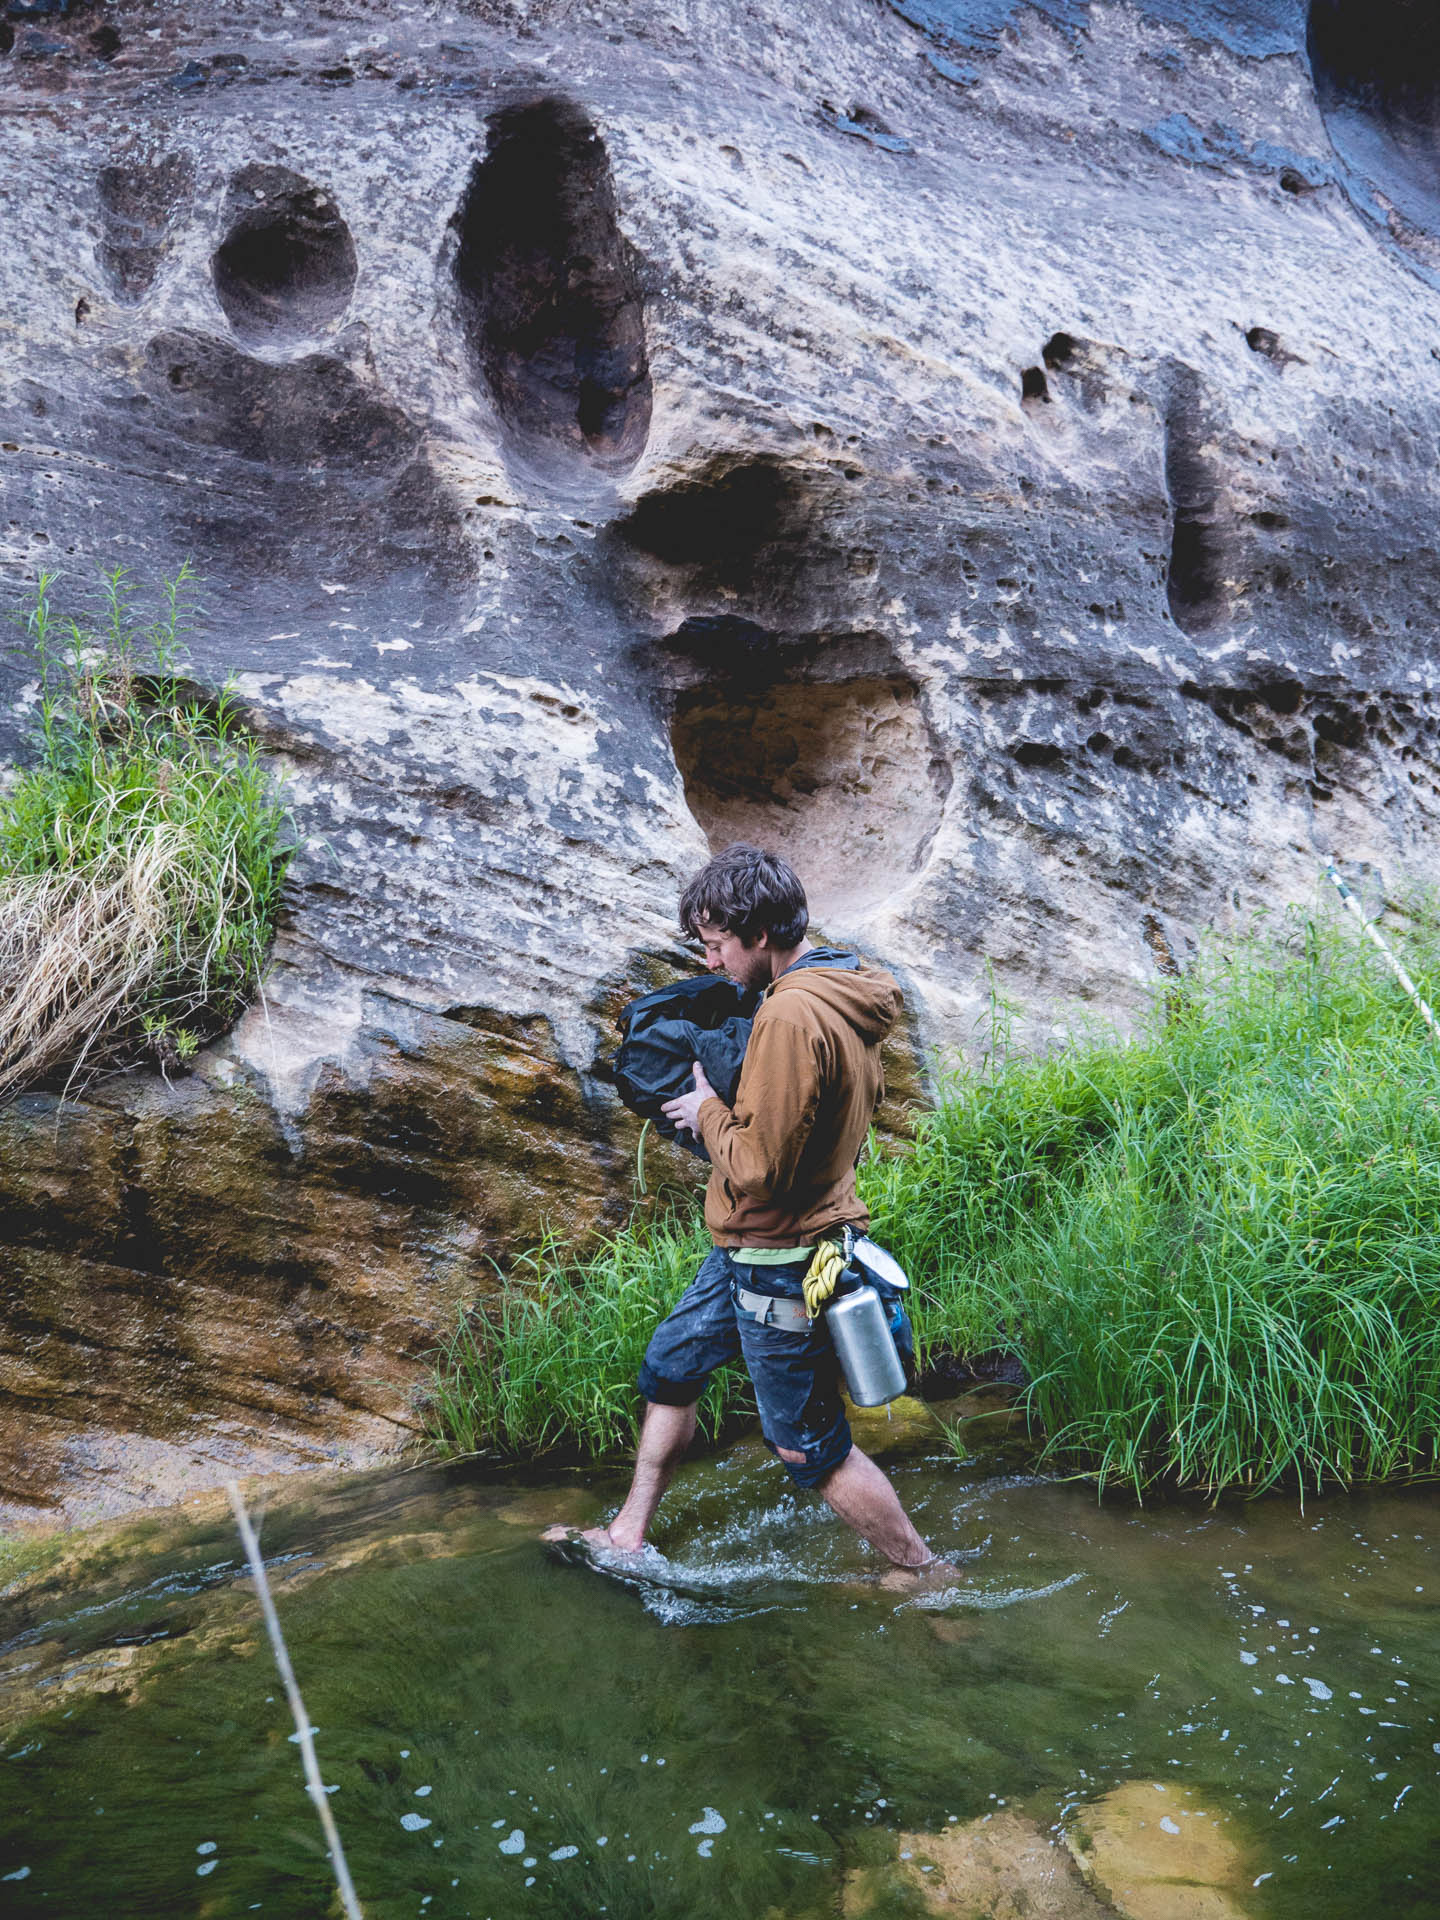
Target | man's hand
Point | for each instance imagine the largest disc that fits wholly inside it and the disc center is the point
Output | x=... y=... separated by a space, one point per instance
x=685 y=1111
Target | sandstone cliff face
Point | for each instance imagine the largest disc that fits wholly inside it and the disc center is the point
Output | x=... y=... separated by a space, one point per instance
x=988 y=452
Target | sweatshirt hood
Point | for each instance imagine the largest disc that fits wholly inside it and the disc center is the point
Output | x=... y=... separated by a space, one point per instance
x=869 y=1001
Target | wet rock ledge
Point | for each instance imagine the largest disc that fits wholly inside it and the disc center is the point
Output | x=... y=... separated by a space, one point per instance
x=988 y=451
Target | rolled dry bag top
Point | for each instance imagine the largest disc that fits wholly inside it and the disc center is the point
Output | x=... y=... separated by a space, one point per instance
x=664 y=1033
x=706 y=1018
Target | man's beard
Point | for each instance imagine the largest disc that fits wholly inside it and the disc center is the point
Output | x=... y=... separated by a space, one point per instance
x=752 y=973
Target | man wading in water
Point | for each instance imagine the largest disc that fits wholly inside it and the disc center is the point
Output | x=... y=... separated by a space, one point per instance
x=783 y=1178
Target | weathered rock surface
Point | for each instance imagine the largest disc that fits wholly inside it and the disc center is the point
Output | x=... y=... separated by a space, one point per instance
x=989 y=451
x=1146 y=1851
x=999 y=1867
x=1159 y=1852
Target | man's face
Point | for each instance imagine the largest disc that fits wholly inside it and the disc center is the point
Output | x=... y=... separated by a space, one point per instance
x=726 y=952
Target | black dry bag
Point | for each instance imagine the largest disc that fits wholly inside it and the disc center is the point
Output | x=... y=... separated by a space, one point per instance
x=663 y=1033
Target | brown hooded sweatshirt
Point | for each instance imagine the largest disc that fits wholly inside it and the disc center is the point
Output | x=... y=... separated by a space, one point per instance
x=784 y=1157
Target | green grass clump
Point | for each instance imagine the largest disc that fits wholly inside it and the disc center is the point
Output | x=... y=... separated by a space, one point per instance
x=551 y=1365
x=141 y=857
x=1214 y=1246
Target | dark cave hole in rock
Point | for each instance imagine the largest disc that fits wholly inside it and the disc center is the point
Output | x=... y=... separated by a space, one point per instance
x=844 y=777
x=1058 y=349
x=752 y=535
x=286 y=268
x=141 y=205
x=1033 y=384
x=722 y=521
x=1376 y=65
x=1280 y=696
x=1263 y=340
x=549 y=288
x=1037 y=753
x=1195 y=578
x=1340 y=727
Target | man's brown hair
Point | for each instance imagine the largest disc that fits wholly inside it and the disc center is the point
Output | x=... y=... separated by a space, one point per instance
x=746 y=891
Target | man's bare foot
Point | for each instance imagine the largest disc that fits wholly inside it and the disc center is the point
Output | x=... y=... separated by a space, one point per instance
x=598 y=1539
x=934 y=1575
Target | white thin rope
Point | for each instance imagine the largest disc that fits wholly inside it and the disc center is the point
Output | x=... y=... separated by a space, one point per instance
x=1353 y=906
x=313 y=1783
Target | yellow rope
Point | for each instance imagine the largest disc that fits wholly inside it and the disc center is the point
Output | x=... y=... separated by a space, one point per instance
x=822 y=1276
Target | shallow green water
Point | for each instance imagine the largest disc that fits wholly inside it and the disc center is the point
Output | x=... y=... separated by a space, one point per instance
x=508 y=1737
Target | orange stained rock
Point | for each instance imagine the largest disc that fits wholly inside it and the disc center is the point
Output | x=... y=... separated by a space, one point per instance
x=1162 y=1852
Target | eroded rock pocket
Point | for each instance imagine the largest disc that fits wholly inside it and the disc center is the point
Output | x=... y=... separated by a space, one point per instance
x=843 y=777
x=1376 y=65
x=744 y=534
x=548 y=290
x=286 y=268
x=1195 y=582
x=141 y=207
x=310 y=475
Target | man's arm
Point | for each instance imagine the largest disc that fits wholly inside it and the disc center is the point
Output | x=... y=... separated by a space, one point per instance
x=758 y=1146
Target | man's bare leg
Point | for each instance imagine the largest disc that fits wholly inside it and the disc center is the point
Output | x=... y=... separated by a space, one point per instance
x=864 y=1499
x=664 y=1435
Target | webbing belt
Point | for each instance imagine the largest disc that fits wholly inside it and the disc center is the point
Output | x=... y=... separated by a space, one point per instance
x=771 y=1312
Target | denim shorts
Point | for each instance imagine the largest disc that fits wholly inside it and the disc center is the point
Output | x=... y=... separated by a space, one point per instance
x=796 y=1375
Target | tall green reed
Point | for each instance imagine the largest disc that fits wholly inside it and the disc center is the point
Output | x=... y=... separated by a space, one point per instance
x=1213 y=1246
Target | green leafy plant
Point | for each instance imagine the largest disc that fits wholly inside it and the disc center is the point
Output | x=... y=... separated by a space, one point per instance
x=141 y=857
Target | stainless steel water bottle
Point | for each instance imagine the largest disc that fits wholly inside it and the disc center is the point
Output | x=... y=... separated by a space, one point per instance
x=860 y=1328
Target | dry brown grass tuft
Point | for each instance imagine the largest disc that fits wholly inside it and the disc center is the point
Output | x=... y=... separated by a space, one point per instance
x=78 y=952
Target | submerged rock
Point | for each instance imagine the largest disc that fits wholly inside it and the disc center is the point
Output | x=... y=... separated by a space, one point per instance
x=1160 y=1852
x=551 y=1507
x=906 y=1425
x=1000 y=1867
x=951 y=1632
x=134 y=1626
x=1148 y=1851
x=932 y=437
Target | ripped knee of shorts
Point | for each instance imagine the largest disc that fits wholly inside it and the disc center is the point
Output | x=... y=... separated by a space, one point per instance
x=808 y=1468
